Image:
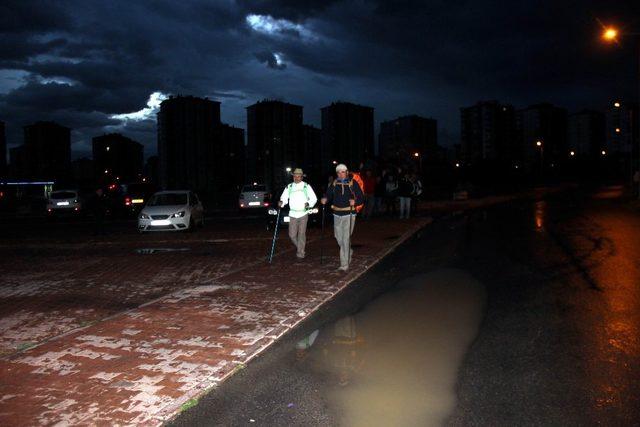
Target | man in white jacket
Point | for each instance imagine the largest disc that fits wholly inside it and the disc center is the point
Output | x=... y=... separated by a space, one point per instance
x=300 y=197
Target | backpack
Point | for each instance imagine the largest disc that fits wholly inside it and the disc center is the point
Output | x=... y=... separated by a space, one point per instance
x=356 y=176
x=417 y=188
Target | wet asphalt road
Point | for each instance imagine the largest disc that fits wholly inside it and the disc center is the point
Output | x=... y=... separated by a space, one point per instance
x=559 y=343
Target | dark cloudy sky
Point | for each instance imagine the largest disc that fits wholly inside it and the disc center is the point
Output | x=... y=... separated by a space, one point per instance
x=102 y=66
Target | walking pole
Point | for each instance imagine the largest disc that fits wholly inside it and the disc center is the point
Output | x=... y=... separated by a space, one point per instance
x=275 y=236
x=321 y=234
x=350 y=225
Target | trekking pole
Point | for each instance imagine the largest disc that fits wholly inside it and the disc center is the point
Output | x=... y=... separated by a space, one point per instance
x=275 y=236
x=350 y=225
x=321 y=234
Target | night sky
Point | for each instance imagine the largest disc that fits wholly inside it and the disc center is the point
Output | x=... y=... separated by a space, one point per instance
x=101 y=67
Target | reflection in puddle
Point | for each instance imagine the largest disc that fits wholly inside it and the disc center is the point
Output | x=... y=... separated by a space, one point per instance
x=396 y=361
x=540 y=214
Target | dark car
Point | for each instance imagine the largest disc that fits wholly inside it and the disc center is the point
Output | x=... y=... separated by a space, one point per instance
x=127 y=200
x=135 y=195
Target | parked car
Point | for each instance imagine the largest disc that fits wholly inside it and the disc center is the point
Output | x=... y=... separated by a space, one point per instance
x=135 y=195
x=65 y=202
x=171 y=211
x=254 y=196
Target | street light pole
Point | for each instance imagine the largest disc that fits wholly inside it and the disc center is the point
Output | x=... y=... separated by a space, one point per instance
x=610 y=34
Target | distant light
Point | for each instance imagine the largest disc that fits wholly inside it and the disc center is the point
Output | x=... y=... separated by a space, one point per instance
x=106 y=171
x=457 y=165
x=416 y=154
x=572 y=153
x=117 y=178
x=335 y=162
x=539 y=143
x=604 y=153
x=516 y=166
x=288 y=169
x=255 y=183
x=108 y=148
x=144 y=179
x=617 y=130
x=610 y=34
x=616 y=104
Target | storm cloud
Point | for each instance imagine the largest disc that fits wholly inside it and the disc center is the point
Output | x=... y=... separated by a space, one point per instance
x=95 y=66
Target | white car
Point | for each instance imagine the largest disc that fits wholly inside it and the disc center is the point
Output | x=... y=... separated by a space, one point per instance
x=254 y=196
x=171 y=210
x=64 y=202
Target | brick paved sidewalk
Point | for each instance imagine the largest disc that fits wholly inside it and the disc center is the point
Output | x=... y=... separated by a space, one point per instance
x=139 y=366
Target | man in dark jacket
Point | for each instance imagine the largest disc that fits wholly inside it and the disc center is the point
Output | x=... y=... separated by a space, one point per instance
x=344 y=194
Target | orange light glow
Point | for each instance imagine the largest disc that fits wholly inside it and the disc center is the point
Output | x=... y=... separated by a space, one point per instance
x=610 y=34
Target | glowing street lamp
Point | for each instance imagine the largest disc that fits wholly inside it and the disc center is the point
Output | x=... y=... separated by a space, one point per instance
x=541 y=147
x=610 y=34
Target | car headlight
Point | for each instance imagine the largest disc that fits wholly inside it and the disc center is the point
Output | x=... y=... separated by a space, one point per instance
x=178 y=214
x=272 y=212
x=144 y=216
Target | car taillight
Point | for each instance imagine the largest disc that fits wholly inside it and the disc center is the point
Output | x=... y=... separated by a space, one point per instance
x=266 y=203
x=127 y=201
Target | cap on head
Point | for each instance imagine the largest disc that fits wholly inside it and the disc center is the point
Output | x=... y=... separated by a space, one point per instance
x=297 y=171
x=341 y=168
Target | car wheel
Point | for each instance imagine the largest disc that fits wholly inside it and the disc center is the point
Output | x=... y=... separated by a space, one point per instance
x=190 y=227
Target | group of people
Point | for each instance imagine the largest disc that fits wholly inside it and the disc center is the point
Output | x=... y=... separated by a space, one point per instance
x=343 y=195
x=347 y=194
x=390 y=192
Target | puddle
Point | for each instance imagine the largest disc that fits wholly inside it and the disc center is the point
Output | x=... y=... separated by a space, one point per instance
x=146 y=251
x=396 y=361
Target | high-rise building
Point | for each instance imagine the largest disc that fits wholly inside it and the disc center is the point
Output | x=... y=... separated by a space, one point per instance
x=312 y=154
x=347 y=135
x=621 y=127
x=186 y=127
x=117 y=157
x=83 y=173
x=488 y=134
x=622 y=132
x=18 y=162
x=47 y=151
x=586 y=134
x=274 y=140
x=151 y=169
x=3 y=151
x=227 y=171
x=409 y=139
x=542 y=135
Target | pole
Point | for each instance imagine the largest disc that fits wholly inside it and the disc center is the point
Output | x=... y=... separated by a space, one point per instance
x=275 y=236
x=637 y=118
x=322 y=235
x=350 y=225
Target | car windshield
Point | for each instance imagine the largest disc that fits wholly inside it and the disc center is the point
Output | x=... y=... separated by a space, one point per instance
x=63 y=195
x=168 y=199
x=248 y=188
